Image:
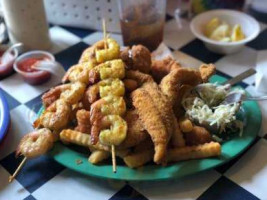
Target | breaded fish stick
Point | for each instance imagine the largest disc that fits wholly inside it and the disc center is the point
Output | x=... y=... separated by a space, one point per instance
x=194 y=152
x=138 y=159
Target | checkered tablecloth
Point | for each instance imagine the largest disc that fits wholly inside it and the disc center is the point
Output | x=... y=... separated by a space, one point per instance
x=242 y=178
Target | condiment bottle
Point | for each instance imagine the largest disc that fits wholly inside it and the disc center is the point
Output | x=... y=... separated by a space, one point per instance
x=26 y=23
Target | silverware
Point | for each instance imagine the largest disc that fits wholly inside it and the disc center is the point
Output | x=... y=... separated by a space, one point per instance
x=240 y=77
x=238 y=96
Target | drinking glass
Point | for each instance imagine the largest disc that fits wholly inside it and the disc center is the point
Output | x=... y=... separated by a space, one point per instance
x=142 y=22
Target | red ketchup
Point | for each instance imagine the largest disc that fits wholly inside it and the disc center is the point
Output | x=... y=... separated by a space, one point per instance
x=6 y=67
x=30 y=74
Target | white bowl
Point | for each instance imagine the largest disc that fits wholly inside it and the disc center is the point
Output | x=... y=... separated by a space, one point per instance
x=249 y=25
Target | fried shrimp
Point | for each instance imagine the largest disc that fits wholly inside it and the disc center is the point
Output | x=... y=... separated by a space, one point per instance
x=71 y=93
x=99 y=54
x=109 y=105
x=83 y=120
x=110 y=69
x=85 y=99
x=36 y=143
x=78 y=73
x=53 y=94
x=139 y=77
x=74 y=93
x=114 y=87
x=115 y=130
x=103 y=54
x=55 y=117
x=130 y=85
x=137 y=58
x=161 y=68
x=88 y=55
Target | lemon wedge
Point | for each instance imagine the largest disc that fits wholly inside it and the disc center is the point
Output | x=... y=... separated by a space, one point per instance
x=221 y=32
x=218 y=30
x=211 y=26
x=237 y=33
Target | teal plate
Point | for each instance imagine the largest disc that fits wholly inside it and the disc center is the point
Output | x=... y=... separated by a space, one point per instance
x=230 y=149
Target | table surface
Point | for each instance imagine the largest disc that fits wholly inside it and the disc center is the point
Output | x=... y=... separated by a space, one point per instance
x=43 y=178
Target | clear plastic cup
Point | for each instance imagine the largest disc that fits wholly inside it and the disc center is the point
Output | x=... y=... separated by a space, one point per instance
x=142 y=22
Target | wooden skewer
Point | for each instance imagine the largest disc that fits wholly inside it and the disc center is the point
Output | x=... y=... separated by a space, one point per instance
x=114 y=165
x=11 y=178
x=113 y=154
x=104 y=32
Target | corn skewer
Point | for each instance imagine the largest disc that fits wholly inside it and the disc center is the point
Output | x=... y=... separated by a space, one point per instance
x=11 y=178
x=113 y=155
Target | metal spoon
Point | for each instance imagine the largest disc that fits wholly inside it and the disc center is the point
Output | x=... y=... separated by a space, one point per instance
x=234 y=97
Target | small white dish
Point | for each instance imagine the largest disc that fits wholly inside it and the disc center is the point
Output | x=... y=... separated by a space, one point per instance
x=249 y=25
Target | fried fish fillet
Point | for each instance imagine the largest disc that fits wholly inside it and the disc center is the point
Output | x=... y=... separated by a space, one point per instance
x=161 y=68
x=136 y=133
x=153 y=121
x=162 y=105
x=171 y=84
x=206 y=71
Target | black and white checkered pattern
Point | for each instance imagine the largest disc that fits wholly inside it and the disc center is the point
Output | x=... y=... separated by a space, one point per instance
x=43 y=178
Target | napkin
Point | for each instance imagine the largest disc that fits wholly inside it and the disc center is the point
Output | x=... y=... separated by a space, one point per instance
x=261 y=75
x=161 y=52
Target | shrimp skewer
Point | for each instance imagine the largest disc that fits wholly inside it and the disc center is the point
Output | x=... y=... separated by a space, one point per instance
x=32 y=145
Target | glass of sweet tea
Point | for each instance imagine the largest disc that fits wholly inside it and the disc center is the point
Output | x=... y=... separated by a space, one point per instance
x=142 y=22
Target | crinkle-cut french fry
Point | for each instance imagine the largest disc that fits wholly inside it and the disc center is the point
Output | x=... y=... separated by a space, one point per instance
x=185 y=125
x=177 y=139
x=82 y=139
x=119 y=152
x=98 y=156
x=194 y=152
x=138 y=159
